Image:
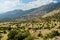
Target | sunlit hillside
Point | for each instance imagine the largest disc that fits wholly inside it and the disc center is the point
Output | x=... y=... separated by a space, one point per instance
x=47 y=28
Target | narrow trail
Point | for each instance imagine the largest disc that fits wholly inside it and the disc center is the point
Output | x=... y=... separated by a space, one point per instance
x=4 y=36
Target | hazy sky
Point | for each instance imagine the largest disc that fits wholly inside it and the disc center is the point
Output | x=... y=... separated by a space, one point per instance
x=8 y=5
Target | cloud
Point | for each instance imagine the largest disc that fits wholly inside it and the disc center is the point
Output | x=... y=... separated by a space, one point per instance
x=8 y=5
x=35 y=4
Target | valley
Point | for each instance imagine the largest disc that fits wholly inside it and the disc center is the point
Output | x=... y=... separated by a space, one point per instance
x=42 y=23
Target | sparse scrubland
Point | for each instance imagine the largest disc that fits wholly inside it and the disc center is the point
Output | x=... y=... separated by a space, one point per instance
x=47 y=28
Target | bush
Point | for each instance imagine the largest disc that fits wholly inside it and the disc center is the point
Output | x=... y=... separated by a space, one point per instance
x=12 y=34
x=29 y=38
x=58 y=27
x=4 y=32
x=47 y=27
x=55 y=33
x=0 y=36
x=9 y=28
x=5 y=28
x=40 y=35
x=21 y=35
x=52 y=34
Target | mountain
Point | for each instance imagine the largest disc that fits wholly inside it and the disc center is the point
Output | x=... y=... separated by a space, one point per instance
x=45 y=9
x=29 y=14
x=54 y=15
x=11 y=15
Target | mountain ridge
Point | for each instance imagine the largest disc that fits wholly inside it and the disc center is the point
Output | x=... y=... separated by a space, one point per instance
x=32 y=13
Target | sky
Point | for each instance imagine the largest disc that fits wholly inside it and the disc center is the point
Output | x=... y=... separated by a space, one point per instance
x=9 y=5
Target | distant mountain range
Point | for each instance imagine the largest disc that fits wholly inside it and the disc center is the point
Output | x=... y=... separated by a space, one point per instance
x=32 y=13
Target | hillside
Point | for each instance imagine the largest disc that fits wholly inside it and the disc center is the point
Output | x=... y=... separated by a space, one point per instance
x=47 y=28
x=53 y=15
x=54 y=12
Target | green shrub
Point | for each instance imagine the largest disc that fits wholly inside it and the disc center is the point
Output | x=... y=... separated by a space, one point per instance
x=4 y=32
x=47 y=27
x=21 y=35
x=51 y=35
x=5 y=28
x=18 y=35
x=58 y=27
x=12 y=34
x=0 y=36
x=29 y=38
x=40 y=35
